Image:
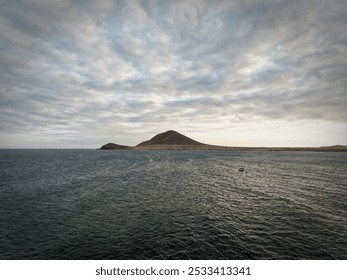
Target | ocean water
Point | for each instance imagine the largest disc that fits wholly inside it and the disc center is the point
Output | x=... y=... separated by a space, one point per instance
x=85 y=204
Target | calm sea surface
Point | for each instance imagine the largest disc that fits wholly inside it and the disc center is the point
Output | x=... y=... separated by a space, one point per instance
x=85 y=204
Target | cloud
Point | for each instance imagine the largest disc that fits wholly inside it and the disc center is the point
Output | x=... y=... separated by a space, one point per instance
x=77 y=68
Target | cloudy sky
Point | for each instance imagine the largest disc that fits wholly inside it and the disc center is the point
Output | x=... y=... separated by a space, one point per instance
x=81 y=73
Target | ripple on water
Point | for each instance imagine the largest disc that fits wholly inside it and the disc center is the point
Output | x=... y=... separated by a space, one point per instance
x=172 y=205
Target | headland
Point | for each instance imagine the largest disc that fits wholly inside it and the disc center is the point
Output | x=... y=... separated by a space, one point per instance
x=173 y=140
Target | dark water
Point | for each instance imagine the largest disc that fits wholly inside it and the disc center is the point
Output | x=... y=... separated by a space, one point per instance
x=84 y=204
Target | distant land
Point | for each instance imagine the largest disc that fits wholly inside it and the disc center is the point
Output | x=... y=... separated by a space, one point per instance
x=172 y=140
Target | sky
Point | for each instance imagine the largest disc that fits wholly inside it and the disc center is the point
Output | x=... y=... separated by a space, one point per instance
x=82 y=73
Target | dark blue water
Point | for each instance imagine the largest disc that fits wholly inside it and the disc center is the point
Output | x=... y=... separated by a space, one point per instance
x=84 y=204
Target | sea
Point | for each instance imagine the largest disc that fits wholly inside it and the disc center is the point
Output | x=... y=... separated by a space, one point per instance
x=163 y=205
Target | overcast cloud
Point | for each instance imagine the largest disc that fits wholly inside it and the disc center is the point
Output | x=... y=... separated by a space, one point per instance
x=253 y=72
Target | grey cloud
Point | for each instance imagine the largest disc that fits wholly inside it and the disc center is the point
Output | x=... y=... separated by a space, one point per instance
x=71 y=65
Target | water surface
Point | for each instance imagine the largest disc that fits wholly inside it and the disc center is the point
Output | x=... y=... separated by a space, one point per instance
x=85 y=204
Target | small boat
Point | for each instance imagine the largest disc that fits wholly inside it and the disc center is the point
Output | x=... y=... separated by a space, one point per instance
x=241 y=169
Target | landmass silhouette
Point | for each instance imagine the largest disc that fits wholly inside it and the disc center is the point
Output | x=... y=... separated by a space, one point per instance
x=173 y=140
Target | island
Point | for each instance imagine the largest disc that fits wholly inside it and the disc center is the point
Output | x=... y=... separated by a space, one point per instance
x=169 y=140
x=173 y=140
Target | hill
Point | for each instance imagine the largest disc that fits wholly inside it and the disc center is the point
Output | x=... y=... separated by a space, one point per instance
x=172 y=140
x=112 y=146
x=169 y=140
x=169 y=137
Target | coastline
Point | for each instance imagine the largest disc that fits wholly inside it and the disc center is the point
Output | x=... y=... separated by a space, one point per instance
x=173 y=140
x=226 y=148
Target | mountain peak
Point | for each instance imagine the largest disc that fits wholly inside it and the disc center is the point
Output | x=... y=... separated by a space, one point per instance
x=170 y=137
